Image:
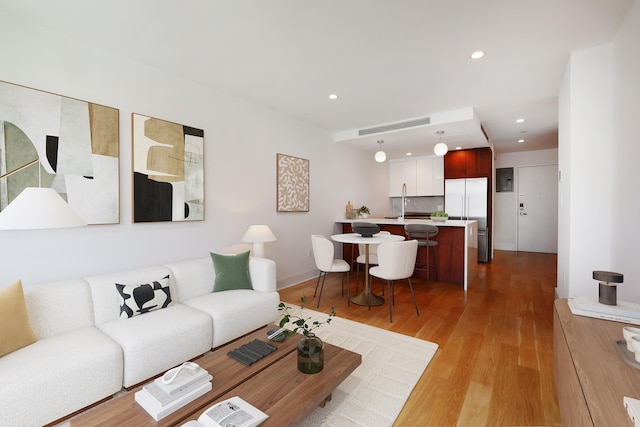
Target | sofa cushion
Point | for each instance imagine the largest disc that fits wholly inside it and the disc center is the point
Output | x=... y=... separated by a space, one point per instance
x=143 y=298
x=55 y=308
x=238 y=312
x=15 y=329
x=159 y=340
x=106 y=304
x=232 y=272
x=57 y=376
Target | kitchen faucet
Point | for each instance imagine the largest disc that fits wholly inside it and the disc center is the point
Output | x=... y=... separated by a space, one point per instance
x=404 y=193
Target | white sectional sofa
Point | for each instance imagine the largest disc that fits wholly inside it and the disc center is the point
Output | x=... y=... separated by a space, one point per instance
x=85 y=352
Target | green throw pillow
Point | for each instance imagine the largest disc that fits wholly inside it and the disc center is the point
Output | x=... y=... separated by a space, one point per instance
x=232 y=272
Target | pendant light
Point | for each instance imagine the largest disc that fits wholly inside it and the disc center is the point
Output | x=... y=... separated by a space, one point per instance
x=380 y=155
x=441 y=148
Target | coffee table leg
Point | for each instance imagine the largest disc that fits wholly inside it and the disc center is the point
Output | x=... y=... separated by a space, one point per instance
x=324 y=402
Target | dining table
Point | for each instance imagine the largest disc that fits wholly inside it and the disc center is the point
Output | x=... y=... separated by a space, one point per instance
x=366 y=297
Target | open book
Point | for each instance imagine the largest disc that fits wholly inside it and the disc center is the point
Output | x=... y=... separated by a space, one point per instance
x=233 y=412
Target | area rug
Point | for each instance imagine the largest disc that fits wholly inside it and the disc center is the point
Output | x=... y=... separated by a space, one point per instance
x=374 y=394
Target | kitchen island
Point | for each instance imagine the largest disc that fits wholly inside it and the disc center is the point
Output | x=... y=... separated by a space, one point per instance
x=457 y=250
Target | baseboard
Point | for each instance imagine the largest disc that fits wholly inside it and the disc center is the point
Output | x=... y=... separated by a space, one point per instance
x=296 y=279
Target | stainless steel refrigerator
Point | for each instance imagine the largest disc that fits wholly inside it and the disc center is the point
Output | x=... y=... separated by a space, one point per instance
x=466 y=198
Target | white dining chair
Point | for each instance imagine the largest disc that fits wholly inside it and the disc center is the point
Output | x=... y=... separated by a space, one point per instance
x=326 y=263
x=396 y=261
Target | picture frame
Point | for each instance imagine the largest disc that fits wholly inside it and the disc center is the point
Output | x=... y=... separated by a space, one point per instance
x=292 y=183
x=168 y=170
x=70 y=145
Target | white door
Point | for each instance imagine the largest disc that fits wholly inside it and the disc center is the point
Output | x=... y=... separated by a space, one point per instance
x=538 y=209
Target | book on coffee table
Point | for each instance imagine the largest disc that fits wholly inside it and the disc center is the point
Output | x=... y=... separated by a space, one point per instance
x=177 y=387
x=231 y=412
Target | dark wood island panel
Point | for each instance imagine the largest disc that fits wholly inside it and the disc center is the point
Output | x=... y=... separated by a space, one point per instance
x=450 y=252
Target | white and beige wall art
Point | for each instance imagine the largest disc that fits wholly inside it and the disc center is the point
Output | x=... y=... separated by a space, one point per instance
x=168 y=171
x=293 y=184
x=48 y=140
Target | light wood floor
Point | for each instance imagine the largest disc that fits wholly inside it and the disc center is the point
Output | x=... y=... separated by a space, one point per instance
x=494 y=366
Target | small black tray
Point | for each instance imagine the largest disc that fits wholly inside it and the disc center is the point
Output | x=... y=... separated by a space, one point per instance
x=628 y=356
x=251 y=352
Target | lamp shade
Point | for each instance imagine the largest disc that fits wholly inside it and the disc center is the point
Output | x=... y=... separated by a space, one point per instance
x=258 y=235
x=38 y=208
x=381 y=156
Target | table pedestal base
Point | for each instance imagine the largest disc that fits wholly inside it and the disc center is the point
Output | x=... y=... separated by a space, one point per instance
x=363 y=299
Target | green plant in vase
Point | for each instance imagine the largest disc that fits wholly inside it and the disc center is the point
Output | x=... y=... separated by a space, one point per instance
x=310 y=347
x=363 y=212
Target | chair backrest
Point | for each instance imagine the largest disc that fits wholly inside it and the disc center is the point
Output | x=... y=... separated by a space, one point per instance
x=373 y=248
x=322 y=252
x=421 y=231
x=397 y=260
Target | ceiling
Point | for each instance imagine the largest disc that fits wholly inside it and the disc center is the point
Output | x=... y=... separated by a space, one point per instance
x=389 y=61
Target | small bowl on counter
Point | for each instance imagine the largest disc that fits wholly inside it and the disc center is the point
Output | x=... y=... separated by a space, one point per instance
x=439 y=218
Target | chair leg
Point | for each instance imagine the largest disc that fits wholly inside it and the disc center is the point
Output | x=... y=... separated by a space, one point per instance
x=348 y=289
x=413 y=296
x=321 y=288
x=427 y=263
x=317 y=282
x=390 y=302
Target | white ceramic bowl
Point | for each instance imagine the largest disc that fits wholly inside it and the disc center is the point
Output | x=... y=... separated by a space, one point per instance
x=439 y=218
x=635 y=343
x=627 y=333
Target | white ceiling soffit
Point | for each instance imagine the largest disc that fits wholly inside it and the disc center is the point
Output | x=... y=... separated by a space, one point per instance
x=418 y=135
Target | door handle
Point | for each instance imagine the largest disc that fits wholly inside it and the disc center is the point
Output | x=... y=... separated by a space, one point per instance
x=523 y=213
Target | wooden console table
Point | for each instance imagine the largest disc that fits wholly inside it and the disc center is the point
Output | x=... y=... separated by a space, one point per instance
x=591 y=376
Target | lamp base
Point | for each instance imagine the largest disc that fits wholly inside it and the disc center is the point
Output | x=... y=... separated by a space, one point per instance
x=258 y=249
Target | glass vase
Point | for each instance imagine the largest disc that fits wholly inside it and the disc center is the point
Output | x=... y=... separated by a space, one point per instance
x=310 y=354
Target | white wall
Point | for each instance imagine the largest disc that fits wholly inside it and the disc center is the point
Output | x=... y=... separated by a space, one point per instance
x=625 y=202
x=599 y=147
x=505 y=204
x=241 y=142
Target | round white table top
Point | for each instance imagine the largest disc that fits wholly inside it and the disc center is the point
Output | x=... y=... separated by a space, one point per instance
x=357 y=238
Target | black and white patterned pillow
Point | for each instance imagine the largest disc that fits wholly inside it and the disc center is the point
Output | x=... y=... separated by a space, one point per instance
x=143 y=298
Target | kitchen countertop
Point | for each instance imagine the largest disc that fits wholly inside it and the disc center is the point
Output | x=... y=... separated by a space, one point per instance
x=392 y=221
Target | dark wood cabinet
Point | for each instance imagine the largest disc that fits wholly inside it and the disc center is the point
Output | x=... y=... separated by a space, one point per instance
x=468 y=163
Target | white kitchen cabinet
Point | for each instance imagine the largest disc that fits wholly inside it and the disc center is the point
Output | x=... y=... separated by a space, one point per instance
x=423 y=176
x=402 y=172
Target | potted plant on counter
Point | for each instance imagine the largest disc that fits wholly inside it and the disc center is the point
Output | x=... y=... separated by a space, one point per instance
x=363 y=212
x=439 y=216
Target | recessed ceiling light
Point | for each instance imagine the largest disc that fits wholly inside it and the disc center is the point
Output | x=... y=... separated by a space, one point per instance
x=458 y=148
x=520 y=141
x=333 y=96
x=519 y=120
x=409 y=154
x=477 y=55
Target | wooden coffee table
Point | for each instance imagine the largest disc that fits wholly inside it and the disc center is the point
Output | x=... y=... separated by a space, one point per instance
x=273 y=384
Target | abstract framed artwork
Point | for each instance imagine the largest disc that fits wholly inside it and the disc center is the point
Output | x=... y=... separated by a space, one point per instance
x=168 y=171
x=72 y=146
x=293 y=183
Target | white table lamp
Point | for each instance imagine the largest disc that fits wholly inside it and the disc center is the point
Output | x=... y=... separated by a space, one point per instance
x=258 y=235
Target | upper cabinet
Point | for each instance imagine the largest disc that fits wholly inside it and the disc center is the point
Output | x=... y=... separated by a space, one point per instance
x=423 y=176
x=468 y=163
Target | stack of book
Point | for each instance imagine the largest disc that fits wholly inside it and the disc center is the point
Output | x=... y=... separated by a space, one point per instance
x=625 y=312
x=174 y=389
